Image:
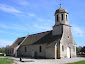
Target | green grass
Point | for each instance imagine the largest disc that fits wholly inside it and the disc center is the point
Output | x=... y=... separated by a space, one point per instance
x=80 y=62
x=5 y=61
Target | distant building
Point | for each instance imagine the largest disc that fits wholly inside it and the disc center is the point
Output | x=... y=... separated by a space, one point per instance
x=56 y=43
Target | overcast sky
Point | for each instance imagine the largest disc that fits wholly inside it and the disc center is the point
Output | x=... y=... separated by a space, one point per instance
x=20 y=17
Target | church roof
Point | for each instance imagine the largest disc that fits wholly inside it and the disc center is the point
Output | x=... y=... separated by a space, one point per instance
x=41 y=38
x=48 y=39
x=61 y=10
x=34 y=37
x=17 y=42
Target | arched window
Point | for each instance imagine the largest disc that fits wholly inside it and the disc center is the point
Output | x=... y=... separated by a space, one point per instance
x=66 y=17
x=62 y=48
x=40 y=49
x=62 y=16
x=57 y=17
x=68 y=36
x=25 y=49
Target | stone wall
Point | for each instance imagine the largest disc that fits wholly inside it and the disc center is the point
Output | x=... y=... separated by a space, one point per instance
x=57 y=30
x=33 y=51
x=67 y=41
x=50 y=52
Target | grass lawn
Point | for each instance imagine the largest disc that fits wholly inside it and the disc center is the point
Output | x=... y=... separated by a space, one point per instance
x=5 y=61
x=80 y=62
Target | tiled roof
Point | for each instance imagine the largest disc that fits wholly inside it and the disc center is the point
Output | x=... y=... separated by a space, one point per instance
x=49 y=39
x=61 y=10
x=17 y=42
x=41 y=38
x=34 y=37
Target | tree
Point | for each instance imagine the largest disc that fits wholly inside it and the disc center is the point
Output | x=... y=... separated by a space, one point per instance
x=78 y=49
x=2 y=50
x=83 y=49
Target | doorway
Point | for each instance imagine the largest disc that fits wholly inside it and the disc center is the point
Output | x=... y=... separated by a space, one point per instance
x=68 y=52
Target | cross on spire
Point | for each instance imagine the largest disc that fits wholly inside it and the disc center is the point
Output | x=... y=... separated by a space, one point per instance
x=60 y=3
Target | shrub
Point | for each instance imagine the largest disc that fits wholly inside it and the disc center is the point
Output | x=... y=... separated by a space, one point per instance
x=2 y=54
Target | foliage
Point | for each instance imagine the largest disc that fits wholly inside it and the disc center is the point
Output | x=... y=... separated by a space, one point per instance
x=78 y=49
x=80 y=62
x=2 y=54
x=5 y=61
x=83 y=49
x=2 y=50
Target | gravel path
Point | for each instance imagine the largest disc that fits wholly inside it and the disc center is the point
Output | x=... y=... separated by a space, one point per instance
x=45 y=61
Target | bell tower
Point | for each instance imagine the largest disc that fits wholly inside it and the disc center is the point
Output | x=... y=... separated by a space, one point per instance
x=61 y=18
x=63 y=29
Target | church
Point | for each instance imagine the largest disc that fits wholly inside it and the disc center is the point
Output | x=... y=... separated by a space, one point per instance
x=55 y=44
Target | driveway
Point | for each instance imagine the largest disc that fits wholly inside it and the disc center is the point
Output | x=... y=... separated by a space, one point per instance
x=45 y=61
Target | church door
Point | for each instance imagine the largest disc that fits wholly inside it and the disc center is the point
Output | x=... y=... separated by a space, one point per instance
x=68 y=52
x=33 y=54
x=16 y=54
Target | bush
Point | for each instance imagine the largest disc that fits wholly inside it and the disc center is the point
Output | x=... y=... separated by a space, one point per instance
x=2 y=54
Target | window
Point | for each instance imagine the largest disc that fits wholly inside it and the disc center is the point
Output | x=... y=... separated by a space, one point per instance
x=62 y=48
x=40 y=49
x=66 y=17
x=62 y=16
x=57 y=17
x=68 y=36
x=25 y=49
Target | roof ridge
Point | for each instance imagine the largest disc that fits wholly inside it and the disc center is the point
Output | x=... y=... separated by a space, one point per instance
x=22 y=37
x=40 y=33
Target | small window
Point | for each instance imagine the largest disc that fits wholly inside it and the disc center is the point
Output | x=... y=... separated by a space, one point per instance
x=40 y=49
x=57 y=17
x=66 y=17
x=62 y=16
x=62 y=48
x=25 y=49
x=68 y=36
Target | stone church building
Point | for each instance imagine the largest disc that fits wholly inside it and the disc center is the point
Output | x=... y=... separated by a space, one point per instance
x=57 y=43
